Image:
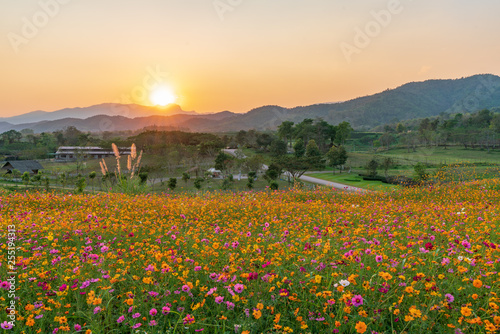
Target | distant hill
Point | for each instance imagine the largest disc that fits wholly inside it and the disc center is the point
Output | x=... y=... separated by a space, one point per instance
x=111 y=109
x=409 y=101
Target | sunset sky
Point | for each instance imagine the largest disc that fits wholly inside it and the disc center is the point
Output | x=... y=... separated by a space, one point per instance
x=235 y=54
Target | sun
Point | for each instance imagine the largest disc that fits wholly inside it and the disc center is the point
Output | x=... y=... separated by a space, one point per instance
x=162 y=95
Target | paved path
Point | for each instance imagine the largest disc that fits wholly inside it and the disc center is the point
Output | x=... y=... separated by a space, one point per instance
x=332 y=184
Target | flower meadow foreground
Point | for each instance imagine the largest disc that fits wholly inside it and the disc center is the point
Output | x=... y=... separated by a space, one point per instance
x=409 y=261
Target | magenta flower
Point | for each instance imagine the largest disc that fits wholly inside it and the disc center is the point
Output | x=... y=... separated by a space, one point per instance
x=357 y=300
x=78 y=327
x=5 y=285
x=219 y=299
x=449 y=298
x=185 y=288
x=153 y=312
x=137 y=325
x=120 y=319
x=165 y=310
x=136 y=315
x=466 y=244
x=379 y=258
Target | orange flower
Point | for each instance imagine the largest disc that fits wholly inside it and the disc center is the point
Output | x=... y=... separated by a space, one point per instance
x=466 y=311
x=360 y=327
x=477 y=283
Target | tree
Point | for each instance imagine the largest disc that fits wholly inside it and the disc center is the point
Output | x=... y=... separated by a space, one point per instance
x=386 y=164
x=337 y=156
x=386 y=139
x=299 y=148
x=305 y=130
x=420 y=172
x=313 y=154
x=343 y=132
x=254 y=163
x=80 y=185
x=324 y=135
x=185 y=177
x=223 y=161
x=26 y=179
x=92 y=176
x=285 y=131
x=278 y=148
x=12 y=136
x=198 y=182
x=371 y=167
x=400 y=128
x=294 y=167
x=63 y=179
x=273 y=172
x=37 y=179
x=143 y=177
x=46 y=182
x=172 y=183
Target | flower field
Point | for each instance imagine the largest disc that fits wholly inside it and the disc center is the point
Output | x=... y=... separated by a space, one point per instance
x=413 y=260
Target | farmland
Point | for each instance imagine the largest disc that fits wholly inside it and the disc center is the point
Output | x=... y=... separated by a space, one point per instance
x=253 y=262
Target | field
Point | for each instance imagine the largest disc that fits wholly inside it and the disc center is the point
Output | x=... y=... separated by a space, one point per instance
x=355 y=180
x=406 y=261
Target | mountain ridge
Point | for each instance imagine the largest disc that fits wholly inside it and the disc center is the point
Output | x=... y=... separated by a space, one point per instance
x=411 y=100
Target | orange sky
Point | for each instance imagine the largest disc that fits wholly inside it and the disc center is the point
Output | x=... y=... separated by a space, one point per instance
x=235 y=54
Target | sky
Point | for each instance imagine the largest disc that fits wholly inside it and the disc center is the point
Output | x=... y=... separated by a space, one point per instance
x=215 y=55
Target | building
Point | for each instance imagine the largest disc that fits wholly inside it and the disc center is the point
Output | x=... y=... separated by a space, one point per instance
x=71 y=153
x=30 y=166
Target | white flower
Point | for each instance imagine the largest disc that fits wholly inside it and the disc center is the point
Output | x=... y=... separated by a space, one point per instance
x=460 y=258
x=344 y=283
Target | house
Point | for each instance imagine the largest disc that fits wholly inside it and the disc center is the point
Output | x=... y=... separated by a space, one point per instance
x=215 y=172
x=71 y=153
x=30 y=166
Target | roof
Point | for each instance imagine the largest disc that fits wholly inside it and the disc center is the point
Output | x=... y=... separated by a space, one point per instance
x=23 y=165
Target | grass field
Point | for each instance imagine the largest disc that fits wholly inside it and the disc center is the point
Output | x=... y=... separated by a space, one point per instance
x=355 y=180
x=412 y=260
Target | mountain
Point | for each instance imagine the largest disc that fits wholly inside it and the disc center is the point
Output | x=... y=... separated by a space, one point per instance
x=409 y=101
x=111 y=109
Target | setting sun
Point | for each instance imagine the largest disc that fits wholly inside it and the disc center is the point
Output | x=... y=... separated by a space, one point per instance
x=161 y=96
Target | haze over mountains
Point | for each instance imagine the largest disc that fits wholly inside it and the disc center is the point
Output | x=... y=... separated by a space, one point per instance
x=409 y=101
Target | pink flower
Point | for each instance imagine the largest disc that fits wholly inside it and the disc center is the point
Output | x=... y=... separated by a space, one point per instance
x=379 y=258
x=6 y=325
x=357 y=300
x=77 y=327
x=120 y=319
x=239 y=288
x=165 y=310
x=153 y=312
x=219 y=299
x=185 y=288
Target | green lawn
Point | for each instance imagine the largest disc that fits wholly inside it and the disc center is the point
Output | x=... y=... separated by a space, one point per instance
x=440 y=155
x=355 y=180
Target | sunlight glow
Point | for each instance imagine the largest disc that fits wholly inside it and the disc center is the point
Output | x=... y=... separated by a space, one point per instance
x=162 y=95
